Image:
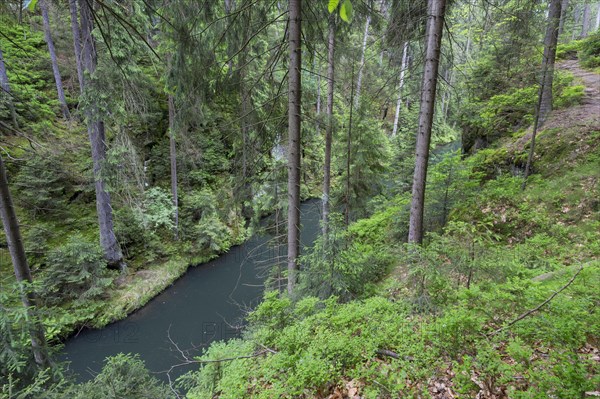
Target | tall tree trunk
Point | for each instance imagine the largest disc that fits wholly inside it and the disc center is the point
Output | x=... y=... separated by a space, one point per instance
x=576 y=19
x=435 y=25
x=585 y=23
x=294 y=110
x=401 y=86
x=550 y=42
x=22 y=272
x=173 y=157
x=318 y=107
x=563 y=16
x=597 y=25
x=329 y=127
x=96 y=133
x=349 y=151
x=57 y=79
x=75 y=30
x=545 y=91
x=362 y=62
x=5 y=88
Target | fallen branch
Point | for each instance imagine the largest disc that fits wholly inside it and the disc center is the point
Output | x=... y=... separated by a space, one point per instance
x=386 y=352
x=529 y=312
x=393 y=355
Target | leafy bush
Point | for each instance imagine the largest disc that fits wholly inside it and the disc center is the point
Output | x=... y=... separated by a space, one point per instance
x=42 y=184
x=590 y=51
x=74 y=271
x=571 y=95
x=568 y=51
x=158 y=209
x=123 y=376
x=201 y=223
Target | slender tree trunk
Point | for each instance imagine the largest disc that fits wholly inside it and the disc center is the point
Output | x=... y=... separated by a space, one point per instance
x=563 y=16
x=545 y=91
x=446 y=95
x=329 y=127
x=550 y=43
x=5 y=88
x=96 y=133
x=318 y=107
x=349 y=151
x=576 y=19
x=22 y=272
x=173 y=157
x=597 y=25
x=294 y=125
x=435 y=25
x=585 y=23
x=57 y=79
x=362 y=62
x=402 y=74
x=75 y=30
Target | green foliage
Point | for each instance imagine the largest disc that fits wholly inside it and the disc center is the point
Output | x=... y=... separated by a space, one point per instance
x=568 y=51
x=570 y=96
x=123 y=376
x=30 y=77
x=158 y=209
x=74 y=271
x=43 y=184
x=201 y=223
x=590 y=51
x=345 y=9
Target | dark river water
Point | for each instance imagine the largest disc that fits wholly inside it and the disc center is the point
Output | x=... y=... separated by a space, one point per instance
x=206 y=304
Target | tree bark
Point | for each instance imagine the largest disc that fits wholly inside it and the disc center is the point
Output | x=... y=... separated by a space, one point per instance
x=329 y=127
x=435 y=25
x=563 y=16
x=576 y=19
x=585 y=23
x=545 y=93
x=96 y=133
x=550 y=42
x=75 y=30
x=597 y=25
x=22 y=272
x=402 y=74
x=5 y=88
x=318 y=105
x=362 y=62
x=294 y=125
x=173 y=157
x=349 y=151
x=57 y=79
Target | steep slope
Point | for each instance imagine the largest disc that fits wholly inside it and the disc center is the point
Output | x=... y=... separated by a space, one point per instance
x=502 y=303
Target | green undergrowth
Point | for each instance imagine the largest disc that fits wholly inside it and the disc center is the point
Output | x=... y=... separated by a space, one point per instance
x=587 y=50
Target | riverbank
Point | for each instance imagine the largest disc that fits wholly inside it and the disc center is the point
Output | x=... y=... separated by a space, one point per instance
x=126 y=295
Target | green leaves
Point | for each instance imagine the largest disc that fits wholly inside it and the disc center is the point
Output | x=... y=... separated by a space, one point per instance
x=333 y=5
x=30 y=4
x=345 y=9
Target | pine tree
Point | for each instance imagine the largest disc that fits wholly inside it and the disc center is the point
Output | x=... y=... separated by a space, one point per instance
x=433 y=37
x=22 y=272
x=294 y=115
x=97 y=137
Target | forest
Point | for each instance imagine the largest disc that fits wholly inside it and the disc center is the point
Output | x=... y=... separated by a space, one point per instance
x=421 y=179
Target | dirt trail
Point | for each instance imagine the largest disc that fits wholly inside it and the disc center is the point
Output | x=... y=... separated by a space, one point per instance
x=586 y=114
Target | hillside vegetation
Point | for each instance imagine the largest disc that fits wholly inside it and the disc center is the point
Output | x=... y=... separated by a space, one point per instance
x=502 y=302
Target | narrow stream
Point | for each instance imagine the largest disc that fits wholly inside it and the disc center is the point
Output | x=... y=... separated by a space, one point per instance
x=204 y=305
